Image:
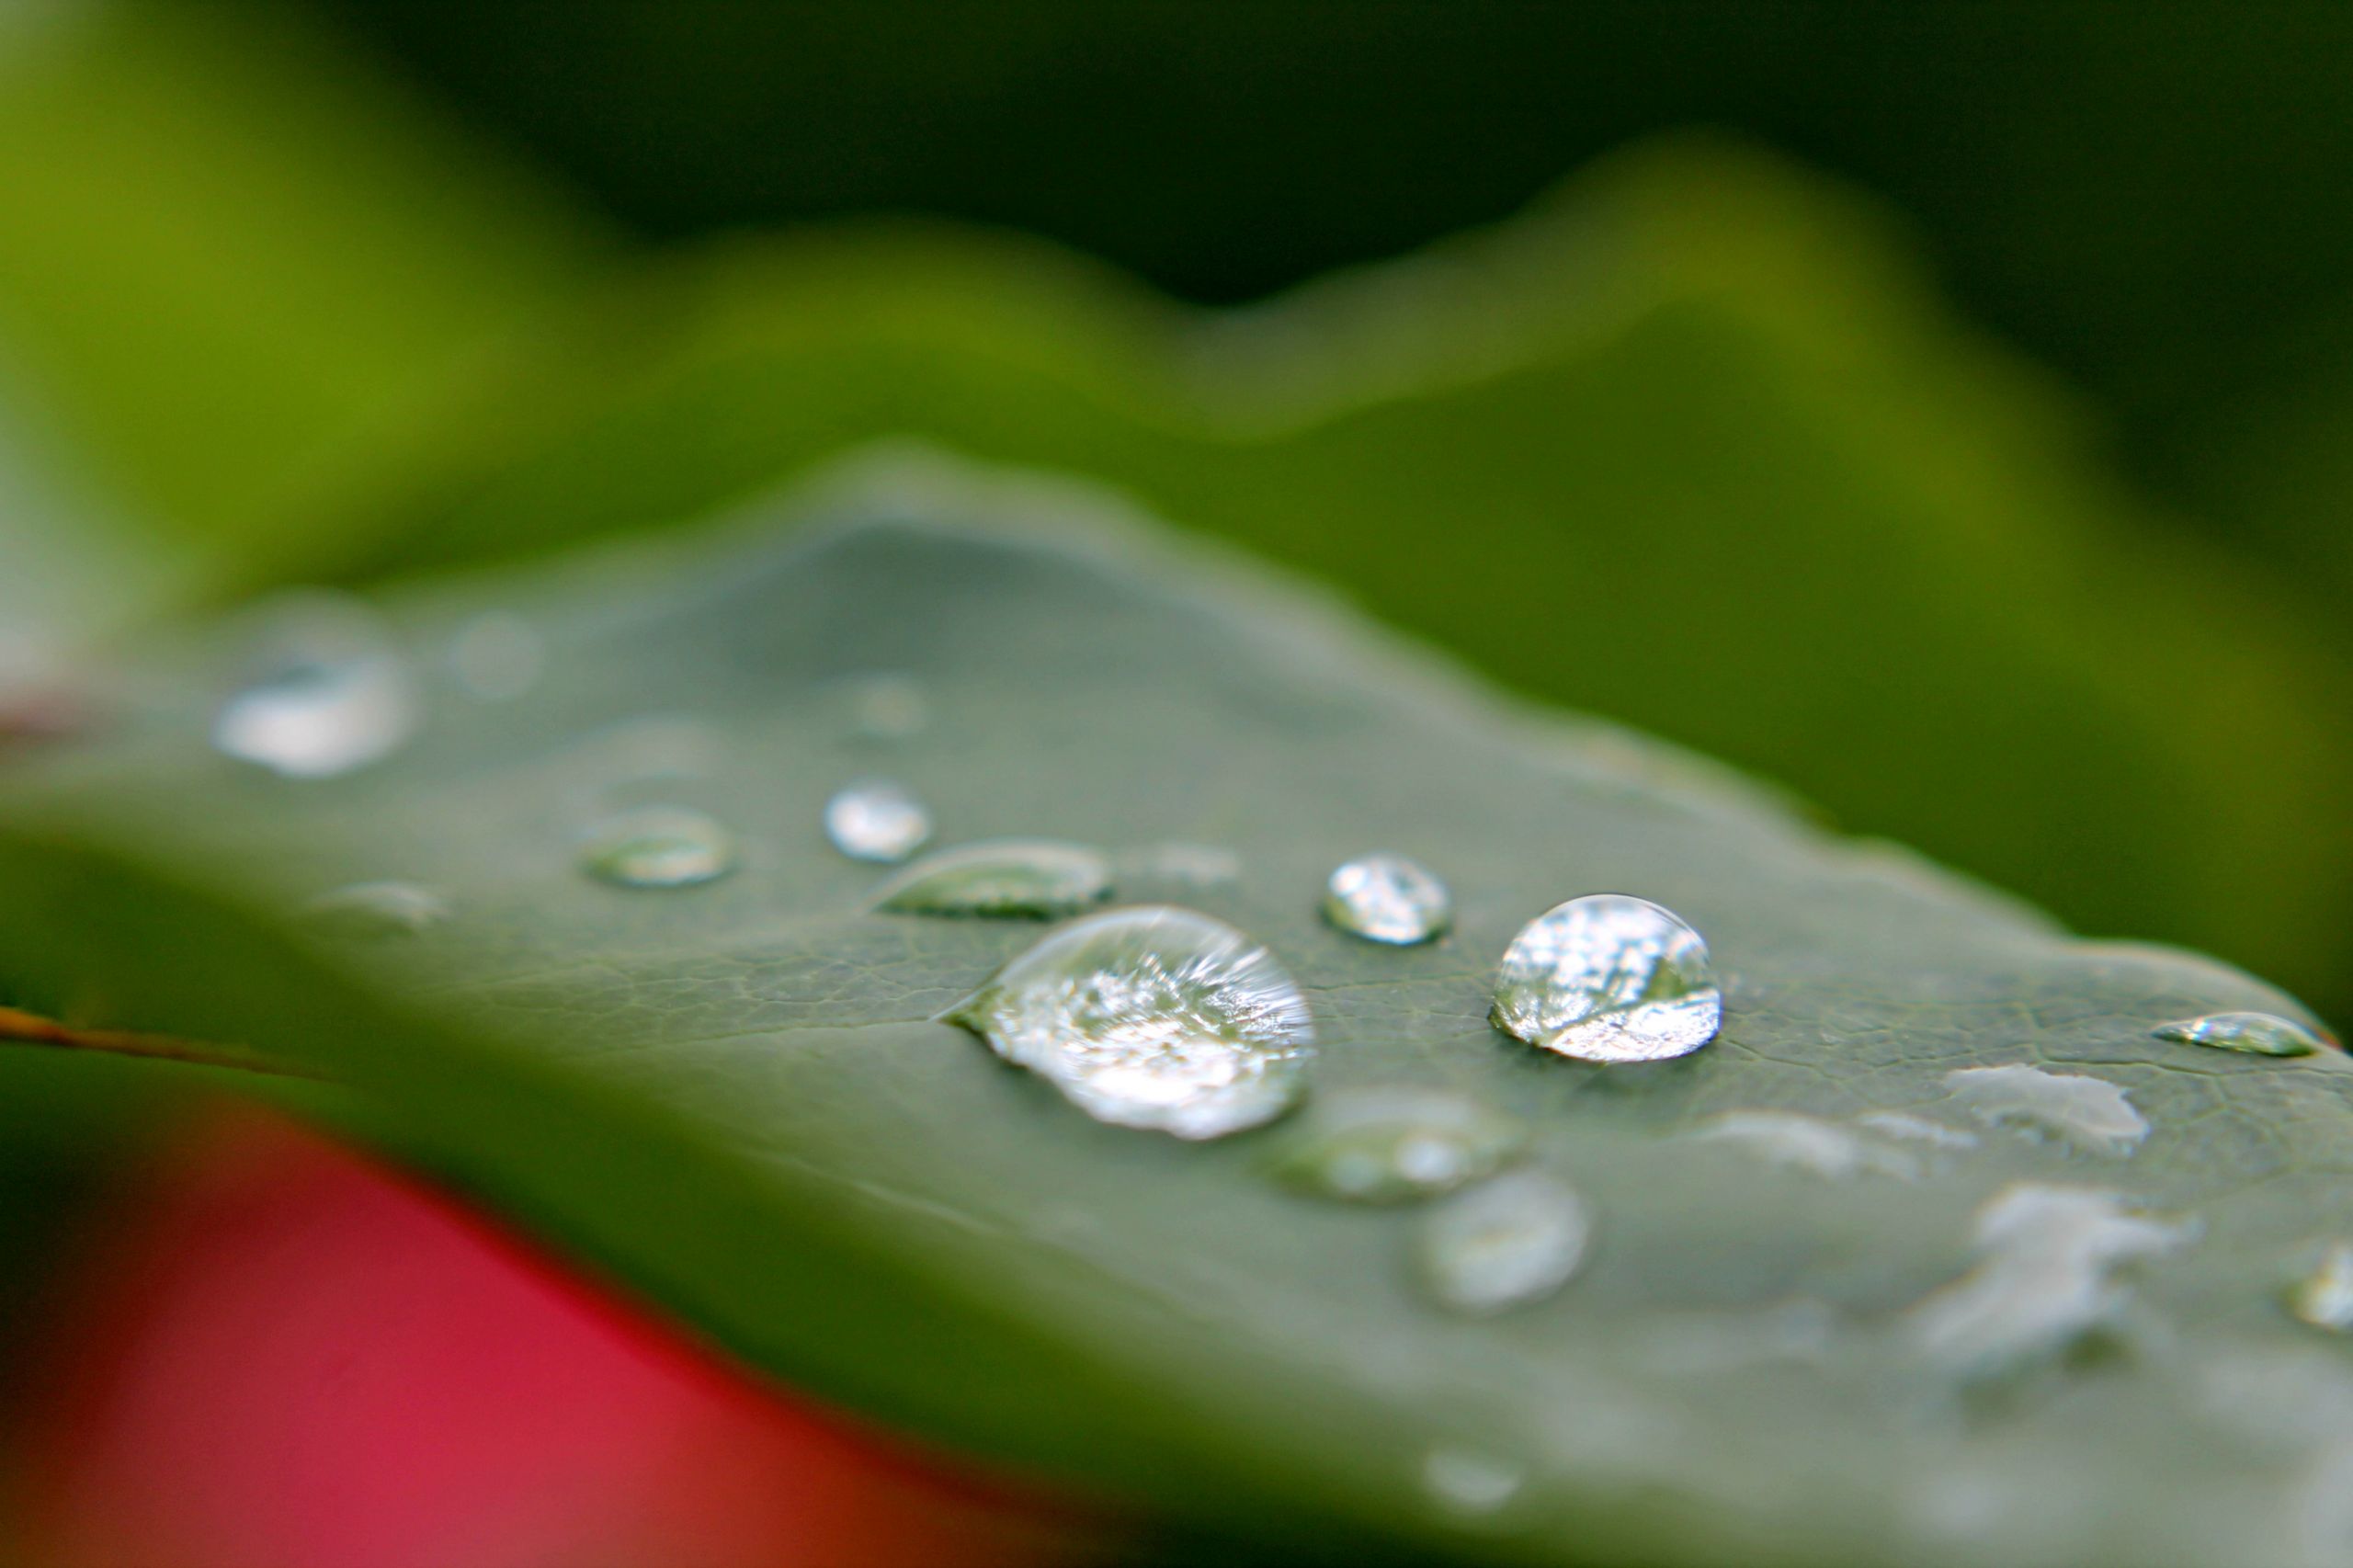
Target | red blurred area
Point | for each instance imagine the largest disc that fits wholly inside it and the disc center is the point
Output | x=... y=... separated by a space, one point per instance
x=299 y=1360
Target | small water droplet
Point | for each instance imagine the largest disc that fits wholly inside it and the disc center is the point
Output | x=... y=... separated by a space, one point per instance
x=366 y=910
x=1808 y=1144
x=2257 y=1034
x=1506 y=1243
x=336 y=694
x=877 y=820
x=1909 y=1128
x=660 y=846
x=1387 y=898
x=1469 y=1483
x=1154 y=1017
x=1397 y=1145
x=497 y=657
x=884 y=705
x=2324 y=1298
x=1609 y=978
x=1002 y=878
x=2091 y=1113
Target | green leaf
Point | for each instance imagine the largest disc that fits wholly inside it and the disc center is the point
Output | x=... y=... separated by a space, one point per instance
x=736 y=1096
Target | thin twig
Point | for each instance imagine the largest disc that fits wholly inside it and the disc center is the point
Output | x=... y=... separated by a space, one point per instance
x=18 y=1027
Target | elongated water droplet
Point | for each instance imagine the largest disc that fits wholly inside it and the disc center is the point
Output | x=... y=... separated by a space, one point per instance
x=1809 y=1144
x=2257 y=1034
x=376 y=909
x=660 y=846
x=1004 y=878
x=335 y=695
x=1387 y=898
x=1469 y=1483
x=1396 y=1145
x=1506 y=1243
x=2324 y=1296
x=497 y=657
x=877 y=820
x=2091 y=1113
x=1609 y=978
x=1154 y=1017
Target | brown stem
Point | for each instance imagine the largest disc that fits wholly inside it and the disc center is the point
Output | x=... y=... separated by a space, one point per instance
x=30 y=1029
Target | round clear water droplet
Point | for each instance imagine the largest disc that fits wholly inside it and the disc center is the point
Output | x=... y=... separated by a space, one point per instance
x=877 y=820
x=2256 y=1034
x=1387 y=898
x=1398 y=1145
x=1154 y=1017
x=1506 y=1243
x=660 y=846
x=336 y=694
x=1018 y=879
x=1609 y=978
x=497 y=657
x=365 y=910
x=2324 y=1298
x=2092 y=1114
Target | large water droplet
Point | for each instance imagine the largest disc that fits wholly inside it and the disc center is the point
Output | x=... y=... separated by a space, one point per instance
x=2045 y=1279
x=1395 y=1146
x=1006 y=879
x=497 y=657
x=2091 y=1113
x=1609 y=978
x=2324 y=1296
x=660 y=846
x=1154 y=1017
x=1387 y=898
x=877 y=820
x=2257 y=1034
x=1506 y=1243
x=1809 y=1144
x=336 y=695
x=1469 y=1483
x=376 y=909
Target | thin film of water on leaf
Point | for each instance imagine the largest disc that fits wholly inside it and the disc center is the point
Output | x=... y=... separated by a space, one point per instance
x=2091 y=1114
x=1016 y=879
x=1506 y=1243
x=2324 y=1298
x=877 y=820
x=497 y=657
x=1153 y=1018
x=1398 y=1145
x=2252 y=1034
x=365 y=910
x=1808 y=1144
x=1609 y=978
x=1388 y=898
x=2045 y=1280
x=660 y=846
x=1905 y=1128
x=335 y=694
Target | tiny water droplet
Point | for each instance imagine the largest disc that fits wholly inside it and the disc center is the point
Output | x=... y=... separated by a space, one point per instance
x=366 y=910
x=877 y=820
x=1397 y=1145
x=1808 y=1144
x=336 y=694
x=1002 y=878
x=885 y=706
x=2324 y=1298
x=660 y=846
x=2091 y=1113
x=1387 y=898
x=497 y=657
x=2257 y=1034
x=1506 y=1243
x=1609 y=978
x=1469 y=1483
x=1154 y=1017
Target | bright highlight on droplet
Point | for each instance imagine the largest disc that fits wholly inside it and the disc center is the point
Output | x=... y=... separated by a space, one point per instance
x=1609 y=978
x=336 y=695
x=1398 y=1145
x=365 y=910
x=1154 y=1017
x=2255 y=1034
x=877 y=820
x=1015 y=879
x=2324 y=1296
x=1387 y=898
x=660 y=846
x=2092 y=1114
x=1504 y=1243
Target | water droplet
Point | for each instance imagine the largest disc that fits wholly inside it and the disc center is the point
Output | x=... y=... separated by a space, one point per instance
x=660 y=846
x=877 y=820
x=1504 y=1244
x=1154 y=1017
x=497 y=657
x=1399 y=1144
x=376 y=909
x=1609 y=978
x=1808 y=1144
x=2257 y=1034
x=1908 y=1129
x=1004 y=878
x=2091 y=1113
x=335 y=695
x=1467 y=1482
x=1387 y=898
x=2324 y=1296
x=887 y=707
x=2044 y=1281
